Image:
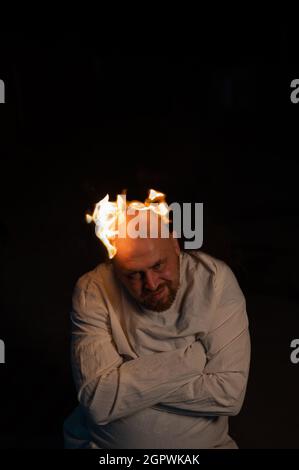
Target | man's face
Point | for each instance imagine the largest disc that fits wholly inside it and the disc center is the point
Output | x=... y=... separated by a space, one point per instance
x=149 y=268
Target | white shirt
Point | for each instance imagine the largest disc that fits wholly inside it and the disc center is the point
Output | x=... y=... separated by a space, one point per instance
x=156 y=380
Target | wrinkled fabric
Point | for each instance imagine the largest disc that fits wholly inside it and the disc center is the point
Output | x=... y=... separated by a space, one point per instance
x=155 y=380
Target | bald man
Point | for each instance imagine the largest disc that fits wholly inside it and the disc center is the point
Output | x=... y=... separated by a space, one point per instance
x=160 y=350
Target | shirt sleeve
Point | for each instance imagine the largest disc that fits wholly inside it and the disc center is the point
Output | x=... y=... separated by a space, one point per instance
x=220 y=388
x=108 y=386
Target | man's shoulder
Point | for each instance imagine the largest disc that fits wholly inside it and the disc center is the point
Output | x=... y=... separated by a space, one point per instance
x=99 y=285
x=198 y=260
x=95 y=276
x=214 y=271
x=221 y=288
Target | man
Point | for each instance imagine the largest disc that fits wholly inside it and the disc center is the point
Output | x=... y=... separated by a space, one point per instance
x=160 y=349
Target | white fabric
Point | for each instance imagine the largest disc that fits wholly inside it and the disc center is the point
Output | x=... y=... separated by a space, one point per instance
x=159 y=379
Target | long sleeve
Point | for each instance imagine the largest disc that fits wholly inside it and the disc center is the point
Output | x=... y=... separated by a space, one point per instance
x=220 y=388
x=109 y=387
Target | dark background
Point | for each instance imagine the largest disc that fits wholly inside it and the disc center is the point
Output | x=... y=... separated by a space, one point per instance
x=210 y=123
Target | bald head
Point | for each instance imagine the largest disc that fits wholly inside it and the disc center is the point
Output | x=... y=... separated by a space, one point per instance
x=148 y=267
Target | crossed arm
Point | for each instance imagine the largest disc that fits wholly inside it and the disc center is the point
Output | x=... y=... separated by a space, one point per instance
x=206 y=378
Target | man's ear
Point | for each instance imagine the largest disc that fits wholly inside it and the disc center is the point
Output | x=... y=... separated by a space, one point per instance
x=175 y=243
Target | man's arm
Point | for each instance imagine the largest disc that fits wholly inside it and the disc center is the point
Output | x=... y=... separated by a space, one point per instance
x=220 y=388
x=109 y=387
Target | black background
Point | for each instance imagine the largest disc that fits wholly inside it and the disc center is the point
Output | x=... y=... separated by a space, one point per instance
x=210 y=122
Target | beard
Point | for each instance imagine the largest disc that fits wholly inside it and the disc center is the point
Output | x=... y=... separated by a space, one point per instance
x=159 y=305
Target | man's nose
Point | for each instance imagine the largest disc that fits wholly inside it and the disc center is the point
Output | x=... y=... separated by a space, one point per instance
x=151 y=280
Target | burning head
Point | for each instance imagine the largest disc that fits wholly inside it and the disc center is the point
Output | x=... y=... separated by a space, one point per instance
x=145 y=255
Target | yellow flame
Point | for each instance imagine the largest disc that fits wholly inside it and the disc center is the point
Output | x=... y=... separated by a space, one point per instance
x=107 y=214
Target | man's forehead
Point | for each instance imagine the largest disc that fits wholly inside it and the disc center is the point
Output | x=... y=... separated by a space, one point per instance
x=139 y=264
x=139 y=253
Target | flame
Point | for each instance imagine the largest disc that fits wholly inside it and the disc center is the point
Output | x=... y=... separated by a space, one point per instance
x=107 y=214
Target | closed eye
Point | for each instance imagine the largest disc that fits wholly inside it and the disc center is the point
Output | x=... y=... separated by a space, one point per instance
x=134 y=276
x=158 y=265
